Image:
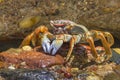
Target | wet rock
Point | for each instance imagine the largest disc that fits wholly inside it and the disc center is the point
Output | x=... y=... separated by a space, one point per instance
x=22 y=74
x=30 y=59
x=36 y=75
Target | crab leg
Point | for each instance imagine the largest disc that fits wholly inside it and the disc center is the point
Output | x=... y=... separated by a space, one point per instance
x=106 y=43
x=27 y=40
x=90 y=40
x=109 y=37
x=40 y=34
x=72 y=42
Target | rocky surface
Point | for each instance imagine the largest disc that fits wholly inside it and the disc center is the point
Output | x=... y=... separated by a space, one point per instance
x=18 y=18
x=58 y=72
x=29 y=63
x=22 y=74
x=28 y=58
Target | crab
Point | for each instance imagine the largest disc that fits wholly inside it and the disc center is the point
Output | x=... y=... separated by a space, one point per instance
x=51 y=42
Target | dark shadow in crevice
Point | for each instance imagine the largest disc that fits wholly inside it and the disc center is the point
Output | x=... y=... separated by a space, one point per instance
x=6 y=44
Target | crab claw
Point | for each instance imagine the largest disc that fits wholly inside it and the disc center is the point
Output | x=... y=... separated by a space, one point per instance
x=45 y=44
x=56 y=44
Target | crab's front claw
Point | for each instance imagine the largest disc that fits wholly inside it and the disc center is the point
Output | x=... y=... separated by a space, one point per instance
x=45 y=42
x=56 y=44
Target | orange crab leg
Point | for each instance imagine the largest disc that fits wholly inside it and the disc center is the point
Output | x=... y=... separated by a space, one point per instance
x=90 y=40
x=109 y=37
x=72 y=42
x=105 y=37
x=106 y=43
x=35 y=35
x=27 y=40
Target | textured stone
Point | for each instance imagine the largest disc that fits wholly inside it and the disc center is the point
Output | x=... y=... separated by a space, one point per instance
x=29 y=59
x=94 y=14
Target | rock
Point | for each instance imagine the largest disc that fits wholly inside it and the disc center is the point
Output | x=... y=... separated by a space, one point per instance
x=28 y=22
x=102 y=70
x=115 y=55
x=36 y=75
x=93 y=77
x=117 y=69
x=83 y=76
x=27 y=48
x=94 y=14
x=22 y=74
x=29 y=59
x=1 y=78
x=112 y=76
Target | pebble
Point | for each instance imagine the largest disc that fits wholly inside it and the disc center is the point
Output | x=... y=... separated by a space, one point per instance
x=28 y=22
x=26 y=48
x=93 y=77
x=11 y=67
x=82 y=76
